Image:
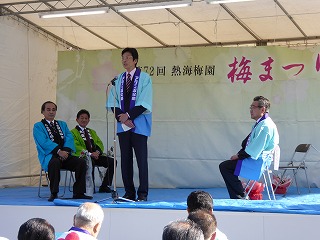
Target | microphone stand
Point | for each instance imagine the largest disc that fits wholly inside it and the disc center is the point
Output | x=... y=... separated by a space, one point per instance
x=114 y=193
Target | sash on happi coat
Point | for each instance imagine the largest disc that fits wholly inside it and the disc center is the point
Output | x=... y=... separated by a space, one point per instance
x=58 y=138
x=135 y=79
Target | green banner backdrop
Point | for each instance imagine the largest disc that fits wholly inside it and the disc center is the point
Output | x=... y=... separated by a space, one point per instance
x=201 y=103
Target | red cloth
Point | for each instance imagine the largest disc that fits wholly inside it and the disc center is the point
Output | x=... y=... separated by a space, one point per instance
x=71 y=236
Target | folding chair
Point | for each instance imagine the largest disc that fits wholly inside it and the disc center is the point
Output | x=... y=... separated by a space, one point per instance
x=295 y=165
x=267 y=175
x=93 y=176
x=48 y=182
x=101 y=174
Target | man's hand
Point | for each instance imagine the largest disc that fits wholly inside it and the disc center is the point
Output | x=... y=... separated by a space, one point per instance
x=123 y=117
x=129 y=123
x=63 y=155
x=234 y=157
x=95 y=155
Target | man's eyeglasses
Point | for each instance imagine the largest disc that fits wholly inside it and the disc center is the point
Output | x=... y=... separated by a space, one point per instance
x=254 y=107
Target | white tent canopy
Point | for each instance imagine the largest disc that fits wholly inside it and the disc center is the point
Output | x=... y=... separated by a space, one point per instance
x=259 y=22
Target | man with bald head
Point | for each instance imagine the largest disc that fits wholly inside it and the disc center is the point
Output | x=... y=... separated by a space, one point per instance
x=86 y=223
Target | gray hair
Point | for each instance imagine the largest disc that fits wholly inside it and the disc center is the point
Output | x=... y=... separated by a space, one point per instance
x=88 y=214
x=182 y=230
x=263 y=102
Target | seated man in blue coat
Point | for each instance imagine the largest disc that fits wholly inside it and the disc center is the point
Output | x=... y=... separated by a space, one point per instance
x=55 y=144
x=256 y=151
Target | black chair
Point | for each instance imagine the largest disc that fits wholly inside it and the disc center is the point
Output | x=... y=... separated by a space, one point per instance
x=93 y=176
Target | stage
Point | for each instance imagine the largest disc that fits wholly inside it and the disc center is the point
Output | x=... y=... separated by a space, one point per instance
x=266 y=219
x=175 y=199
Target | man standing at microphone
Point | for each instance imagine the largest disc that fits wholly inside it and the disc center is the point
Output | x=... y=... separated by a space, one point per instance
x=132 y=100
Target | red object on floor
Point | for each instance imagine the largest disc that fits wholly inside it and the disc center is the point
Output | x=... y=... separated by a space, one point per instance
x=256 y=191
x=283 y=186
x=255 y=196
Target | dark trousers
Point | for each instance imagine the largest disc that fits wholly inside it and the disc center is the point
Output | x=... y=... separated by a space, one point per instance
x=233 y=183
x=108 y=163
x=130 y=141
x=73 y=164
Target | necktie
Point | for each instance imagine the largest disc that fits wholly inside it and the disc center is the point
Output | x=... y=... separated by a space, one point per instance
x=88 y=142
x=53 y=128
x=128 y=82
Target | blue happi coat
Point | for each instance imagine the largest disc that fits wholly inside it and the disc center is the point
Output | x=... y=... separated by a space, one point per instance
x=262 y=140
x=143 y=122
x=44 y=144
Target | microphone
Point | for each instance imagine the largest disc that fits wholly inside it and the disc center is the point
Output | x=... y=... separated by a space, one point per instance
x=112 y=82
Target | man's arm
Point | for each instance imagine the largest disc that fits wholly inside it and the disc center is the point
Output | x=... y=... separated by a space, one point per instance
x=136 y=111
x=68 y=144
x=78 y=142
x=132 y=113
x=97 y=141
x=258 y=142
x=242 y=154
x=118 y=112
x=42 y=139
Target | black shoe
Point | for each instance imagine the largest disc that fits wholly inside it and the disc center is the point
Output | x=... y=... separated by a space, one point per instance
x=243 y=197
x=104 y=189
x=142 y=199
x=130 y=197
x=81 y=196
x=52 y=197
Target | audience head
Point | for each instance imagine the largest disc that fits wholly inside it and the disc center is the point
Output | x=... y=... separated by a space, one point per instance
x=36 y=229
x=89 y=216
x=182 y=230
x=199 y=200
x=206 y=221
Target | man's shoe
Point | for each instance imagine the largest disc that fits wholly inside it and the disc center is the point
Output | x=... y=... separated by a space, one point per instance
x=142 y=199
x=104 y=189
x=81 y=196
x=52 y=197
x=244 y=197
x=130 y=197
